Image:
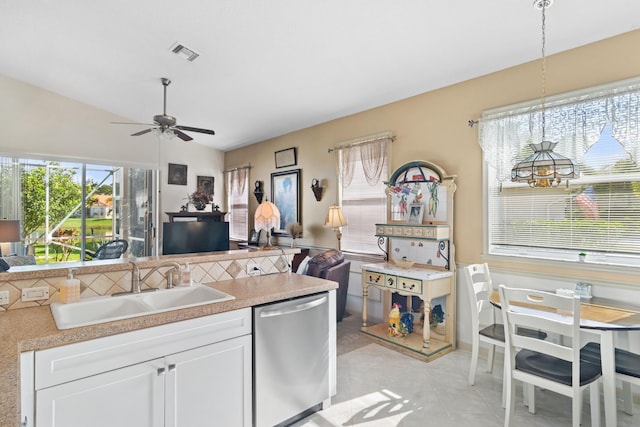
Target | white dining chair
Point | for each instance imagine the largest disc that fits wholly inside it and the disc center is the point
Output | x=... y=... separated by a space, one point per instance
x=483 y=320
x=554 y=366
x=627 y=370
x=484 y=327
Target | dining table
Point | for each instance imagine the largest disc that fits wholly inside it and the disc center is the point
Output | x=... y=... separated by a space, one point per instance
x=604 y=317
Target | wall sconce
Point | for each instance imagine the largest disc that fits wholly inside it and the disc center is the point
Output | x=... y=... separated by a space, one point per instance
x=258 y=192
x=317 y=189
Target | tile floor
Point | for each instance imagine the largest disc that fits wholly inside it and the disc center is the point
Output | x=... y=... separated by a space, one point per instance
x=382 y=387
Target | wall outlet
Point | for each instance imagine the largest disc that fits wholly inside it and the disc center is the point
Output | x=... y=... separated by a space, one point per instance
x=4 y=297
x=35 y=293
x=253 y=269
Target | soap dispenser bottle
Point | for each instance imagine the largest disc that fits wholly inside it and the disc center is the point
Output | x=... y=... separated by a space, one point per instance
x=186 y=275
x=70 y=288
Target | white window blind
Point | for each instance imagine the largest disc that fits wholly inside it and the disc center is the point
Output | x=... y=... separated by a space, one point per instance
x=362 y=170
x=597 y=213
x=237 y=183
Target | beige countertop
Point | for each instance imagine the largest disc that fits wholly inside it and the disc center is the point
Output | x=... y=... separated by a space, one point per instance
x=34 y=328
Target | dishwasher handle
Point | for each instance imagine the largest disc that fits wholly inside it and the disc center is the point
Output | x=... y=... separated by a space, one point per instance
x=293 y=309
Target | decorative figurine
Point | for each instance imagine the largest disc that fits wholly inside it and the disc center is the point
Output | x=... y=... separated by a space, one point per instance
x=399 y=325
x=436 y=316
x=394 y=321
x=406 y=321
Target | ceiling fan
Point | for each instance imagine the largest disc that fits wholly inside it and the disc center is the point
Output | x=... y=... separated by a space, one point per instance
x=165 y=124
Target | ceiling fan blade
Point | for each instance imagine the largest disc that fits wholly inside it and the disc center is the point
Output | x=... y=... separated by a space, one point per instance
x=142 y=132
x=190 y=129
x=132 y=123
x=183 y=136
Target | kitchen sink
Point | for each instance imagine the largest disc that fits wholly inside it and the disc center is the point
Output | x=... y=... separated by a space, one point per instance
x=91 y=311
x=184 y=297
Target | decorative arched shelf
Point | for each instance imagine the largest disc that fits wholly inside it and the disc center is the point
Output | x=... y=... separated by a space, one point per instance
x=419 y=229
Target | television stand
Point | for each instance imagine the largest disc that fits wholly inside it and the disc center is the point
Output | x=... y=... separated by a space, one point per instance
x=215 y=216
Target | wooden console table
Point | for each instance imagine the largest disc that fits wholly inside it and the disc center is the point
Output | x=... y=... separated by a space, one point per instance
x=424 y=283
x=215 y=216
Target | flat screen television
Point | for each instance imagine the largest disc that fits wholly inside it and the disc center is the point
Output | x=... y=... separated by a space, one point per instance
x=194 y=236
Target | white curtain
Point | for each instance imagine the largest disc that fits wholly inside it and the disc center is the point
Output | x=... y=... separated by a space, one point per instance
x=575 y=121
x=237 y=179
x=371 y=154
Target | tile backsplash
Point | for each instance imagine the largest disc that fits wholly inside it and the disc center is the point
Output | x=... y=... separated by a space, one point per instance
x=204 y=269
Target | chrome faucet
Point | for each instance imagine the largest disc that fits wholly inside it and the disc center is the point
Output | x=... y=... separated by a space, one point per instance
x=137 y=282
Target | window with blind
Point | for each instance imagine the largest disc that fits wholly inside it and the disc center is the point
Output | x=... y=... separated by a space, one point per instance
x=362 y=195
x=597 y=213
x=237 y=183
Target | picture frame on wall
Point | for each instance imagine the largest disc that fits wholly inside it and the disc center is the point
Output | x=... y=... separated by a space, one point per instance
x=286 y=158
x=285 y=194
x=416 y=212
x=205 y=183
x=177 y=174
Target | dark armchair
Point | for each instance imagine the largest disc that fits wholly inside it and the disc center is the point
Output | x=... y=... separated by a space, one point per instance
x=330 y=265
x=110 y=250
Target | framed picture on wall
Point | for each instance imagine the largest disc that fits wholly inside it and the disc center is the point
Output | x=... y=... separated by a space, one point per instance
x=285 y=194
x=286 y=158
x=205 y=183
x=177 y=174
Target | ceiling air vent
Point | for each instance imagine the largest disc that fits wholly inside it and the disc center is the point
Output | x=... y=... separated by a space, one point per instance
x=184 y=52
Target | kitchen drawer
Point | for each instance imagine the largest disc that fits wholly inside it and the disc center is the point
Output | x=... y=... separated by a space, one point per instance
x=390 y=281
x=373 y=278
x=73 y=361
x=410 y=285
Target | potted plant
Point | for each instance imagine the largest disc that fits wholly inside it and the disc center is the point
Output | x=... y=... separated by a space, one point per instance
x=295 y=230
x=199 y=199
x=582 y=256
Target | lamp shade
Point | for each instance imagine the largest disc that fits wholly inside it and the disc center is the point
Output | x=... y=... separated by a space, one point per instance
x=335 y=218
x=267 y=216
x=544 y=168
x=9 y=230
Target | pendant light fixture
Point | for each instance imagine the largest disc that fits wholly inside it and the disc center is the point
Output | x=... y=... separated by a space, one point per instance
x=544 y=168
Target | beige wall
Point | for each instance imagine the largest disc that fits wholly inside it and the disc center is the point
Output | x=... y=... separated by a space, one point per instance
x=433 y=126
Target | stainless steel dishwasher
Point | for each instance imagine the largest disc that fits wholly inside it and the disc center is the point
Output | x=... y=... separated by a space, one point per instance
x=291 y=358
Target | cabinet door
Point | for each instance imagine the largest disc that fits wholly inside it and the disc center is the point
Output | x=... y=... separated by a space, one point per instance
x=210 y=385
x=128 y=397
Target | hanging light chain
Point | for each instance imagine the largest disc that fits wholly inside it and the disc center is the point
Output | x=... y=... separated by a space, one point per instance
x=543 y=66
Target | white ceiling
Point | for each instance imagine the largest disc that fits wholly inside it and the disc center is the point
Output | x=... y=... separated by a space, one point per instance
x=271 y=67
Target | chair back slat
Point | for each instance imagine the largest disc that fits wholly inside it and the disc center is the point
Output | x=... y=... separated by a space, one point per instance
x=557 y=315
x=479 y=287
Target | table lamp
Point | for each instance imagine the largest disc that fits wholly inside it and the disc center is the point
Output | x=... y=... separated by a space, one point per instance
x=335 y=219
x=267 y=216
x=9 y=232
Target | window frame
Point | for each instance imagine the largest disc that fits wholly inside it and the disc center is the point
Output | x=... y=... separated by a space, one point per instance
x=597 y=261
x=372 y=248
x=123 y=194
x=230 y=203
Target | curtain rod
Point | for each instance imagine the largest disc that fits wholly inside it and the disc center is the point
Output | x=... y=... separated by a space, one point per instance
x=238 y=168
x=363 y=140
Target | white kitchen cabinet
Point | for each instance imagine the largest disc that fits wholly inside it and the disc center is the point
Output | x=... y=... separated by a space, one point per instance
x=132 y=396
x=210 y=385
x=187 y=373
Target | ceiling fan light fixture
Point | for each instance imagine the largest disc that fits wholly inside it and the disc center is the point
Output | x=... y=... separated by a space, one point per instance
x=184 y=52
x=165 y=134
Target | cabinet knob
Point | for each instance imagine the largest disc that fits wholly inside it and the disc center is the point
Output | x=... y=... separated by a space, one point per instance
x=172 y=367
x=161 y=371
